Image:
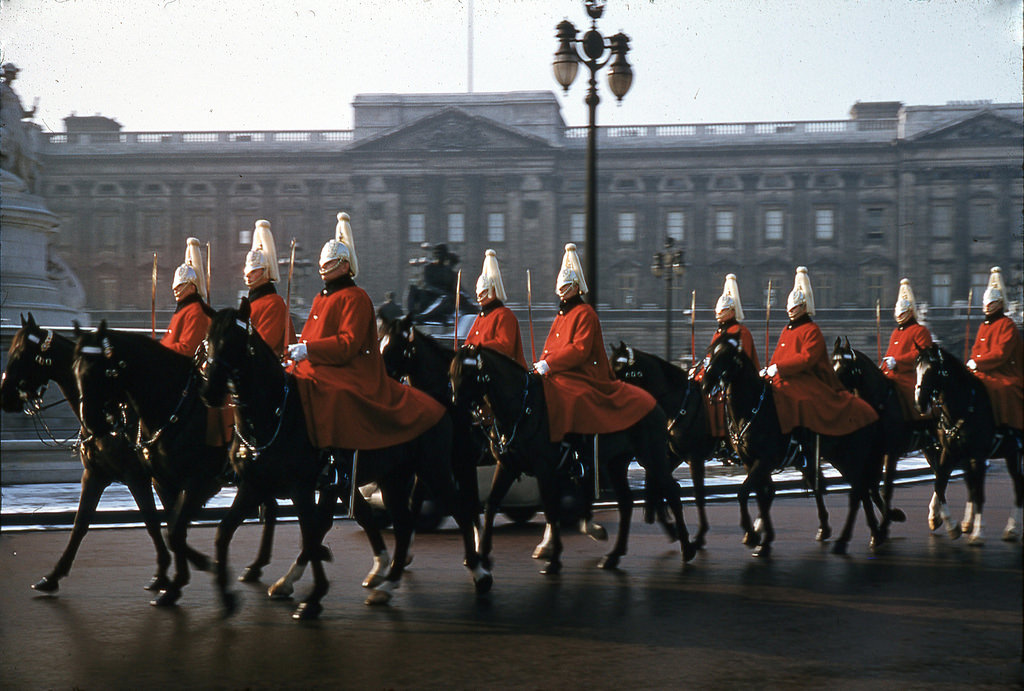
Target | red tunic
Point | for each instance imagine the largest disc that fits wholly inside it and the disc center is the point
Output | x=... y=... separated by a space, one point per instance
x=497 y=327
x=904 y=343
x=807 y=391
x=349 y=400
x=582 y=394
x=187 y=328
x=716 y=406
x=270 y=318
x=998 y=353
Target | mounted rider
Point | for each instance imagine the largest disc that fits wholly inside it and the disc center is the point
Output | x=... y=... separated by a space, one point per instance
x=269 y=314
x=729 y=315
x=349 y=400
x=907 y=339
x=192 y=316
x=582 y=394
x=496 y=326
x=808 y=394
x=997 y=358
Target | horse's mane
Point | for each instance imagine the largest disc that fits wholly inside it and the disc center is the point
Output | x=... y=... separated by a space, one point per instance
x=433 y=342
x=500 y=357
x=150 y=351
x=673 y=373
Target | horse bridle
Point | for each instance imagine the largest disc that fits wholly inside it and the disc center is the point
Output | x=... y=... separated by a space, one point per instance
x=502 y=442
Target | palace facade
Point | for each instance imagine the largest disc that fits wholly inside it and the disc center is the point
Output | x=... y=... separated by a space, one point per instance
x=932 y=193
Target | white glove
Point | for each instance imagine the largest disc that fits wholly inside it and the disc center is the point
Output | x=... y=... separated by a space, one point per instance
x=770 y=371
x=706 y=361
x=541 y=367
x=297 y=352
x=972 y=365
x=890 y=362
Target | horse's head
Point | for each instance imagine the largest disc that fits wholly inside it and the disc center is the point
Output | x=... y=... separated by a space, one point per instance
x=846 y=364
x=99 y=374
x=398 y=345
x=932 y=373
x=724 y=362
x=467 y=376
x=228 y=350
x=622 y=359
x=29 y=368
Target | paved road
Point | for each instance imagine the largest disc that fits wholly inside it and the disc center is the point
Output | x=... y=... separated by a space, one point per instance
x=925 y=613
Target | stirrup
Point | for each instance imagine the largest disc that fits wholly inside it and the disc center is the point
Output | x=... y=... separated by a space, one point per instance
x=792 y=452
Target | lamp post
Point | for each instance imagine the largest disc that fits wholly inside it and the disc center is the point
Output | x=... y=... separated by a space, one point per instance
x=620 y=76
x=668 y=263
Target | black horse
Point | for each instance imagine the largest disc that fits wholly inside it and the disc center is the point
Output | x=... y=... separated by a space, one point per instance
x=115 y=370
x=968 y=437
x=515 y=398
x=239 y=359
x=689 y=431
x=901 y=433
x=36 y=357
x=754 y=431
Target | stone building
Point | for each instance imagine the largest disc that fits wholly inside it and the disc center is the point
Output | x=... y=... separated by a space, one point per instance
x=933 y=193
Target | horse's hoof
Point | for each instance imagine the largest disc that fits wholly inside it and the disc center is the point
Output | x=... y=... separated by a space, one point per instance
x=698 y=542
x=282 y=590
x=250 y=575
x=763 y=551
x=373 y=580
x=752 y=539
x=45 y=585
x=202 y=563
x=934 y=522
x=966 y=526
x=378 y=597
x=166 y=598
x=954 y=531
x=483 y=584
x=689 y=551
x=230 y=602
x=976 y=541
x=897 y=516
x=552 y=568
x=542 y=552
x=1011 y=534
x=595 y=531
x=823 y=534
x=307 y=611
x=670 y=531
x=609 y=561
x=157 y=584
x=839 y=548
x=876 y=542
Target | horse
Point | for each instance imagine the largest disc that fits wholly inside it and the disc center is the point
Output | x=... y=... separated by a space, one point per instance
x=36 y=357
x=757 y=438
x=240 y=360
x=900 y=435
x=690 y=439
x=115 y=369
x=515 y=398
x=968 y=436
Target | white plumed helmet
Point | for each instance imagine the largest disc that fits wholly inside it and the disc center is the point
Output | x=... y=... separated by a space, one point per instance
x=572 y=270
x=801 y=293
x=996 y=291
x=191 y=271
x=342 y=246
x=490 y=277
x=263 y=254
x=905 y=300
x=730 y=297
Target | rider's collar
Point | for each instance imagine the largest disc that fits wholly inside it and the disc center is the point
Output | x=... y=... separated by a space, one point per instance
x=726 y=325
x=260 y=291
x=799 y=321
x=908 y=323
x=989 y=318
x=491 y=306
x=337 y=284
x=566 y=305
x=193 y=297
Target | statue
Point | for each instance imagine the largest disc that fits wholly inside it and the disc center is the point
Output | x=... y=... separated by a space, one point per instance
x=17 y=148
x=433 y=301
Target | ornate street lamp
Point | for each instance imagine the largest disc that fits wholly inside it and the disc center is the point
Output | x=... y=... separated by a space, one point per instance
x=668 y=263
x=597 y=51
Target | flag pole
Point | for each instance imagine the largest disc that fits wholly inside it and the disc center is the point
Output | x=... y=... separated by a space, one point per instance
x=768 y=320
x=529 y=315
x=967 y=329
x=458 y=293
x=152 y=304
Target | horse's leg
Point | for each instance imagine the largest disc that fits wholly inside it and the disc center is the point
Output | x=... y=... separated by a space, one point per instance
x=252 y=572
x=891 y=514
x=700 y=499
x=313 y=550
x=92 y=490
x=938 y=510
x=854 y=500
x=815 y=480
x=688 y=548
x=976 y=490
x=547 y=484
x=765 y=492
x=1015 y=522
x=363 y=513
x=396 y=492
x=751 y=537
x=500 y=484
x=624 y=501
x=245 y=501
x=142 y=492
x=170 y=499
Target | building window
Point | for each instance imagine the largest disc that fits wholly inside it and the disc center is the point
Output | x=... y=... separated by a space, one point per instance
x=154 y=230
x=824 y=225
x=675 y=225
x=627 y=289
x=108 y=233
x=110 y=297
x=874 y=285
x=496 y=227
x=375 y=210
x=942 y=221
x=823 y=290
x=417 y=228
x=456 y=227
x=773 y=225
x=979 y=282
x=981 y=221
x=874 y=224
x=577 y=227
x=941 y=290
x=627 y=227
x=724 y=226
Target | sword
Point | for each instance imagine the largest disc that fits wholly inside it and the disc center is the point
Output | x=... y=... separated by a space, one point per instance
x=529 y=314
x=152 y=303
x=878 y=328
x=288 y=298
x=967 y=329
x=768 y=319
x=207 y=273
x=693 y=335
x=458 y=292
